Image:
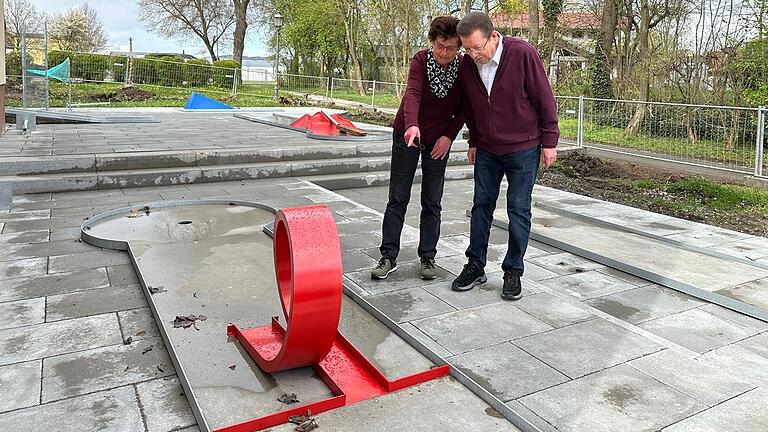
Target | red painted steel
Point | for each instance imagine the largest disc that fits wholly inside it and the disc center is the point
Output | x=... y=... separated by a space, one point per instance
x=308 y=269
x=321 y=123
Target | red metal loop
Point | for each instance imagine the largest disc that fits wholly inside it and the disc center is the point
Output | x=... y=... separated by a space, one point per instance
x=308 y=270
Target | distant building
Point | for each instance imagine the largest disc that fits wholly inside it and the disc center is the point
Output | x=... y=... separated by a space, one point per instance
x=256 y=68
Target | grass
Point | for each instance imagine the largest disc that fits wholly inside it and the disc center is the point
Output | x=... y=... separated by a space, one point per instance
x=701 y=149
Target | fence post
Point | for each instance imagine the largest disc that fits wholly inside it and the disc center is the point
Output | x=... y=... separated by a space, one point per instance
x=234 y=82
x=333 y=81
x=759 y=141
x=373 y=95
x=327 y=86
x=580 y=123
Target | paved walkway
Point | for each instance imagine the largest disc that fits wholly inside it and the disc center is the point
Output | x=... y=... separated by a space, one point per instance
x=587 y=349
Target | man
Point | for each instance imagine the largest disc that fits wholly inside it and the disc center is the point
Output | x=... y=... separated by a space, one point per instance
x=512 y=119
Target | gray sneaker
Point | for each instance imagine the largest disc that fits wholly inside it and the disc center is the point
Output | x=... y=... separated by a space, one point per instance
x=385 y=266
x=428 y=269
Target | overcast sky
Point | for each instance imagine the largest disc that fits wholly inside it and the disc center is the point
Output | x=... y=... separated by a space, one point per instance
x=121 y=21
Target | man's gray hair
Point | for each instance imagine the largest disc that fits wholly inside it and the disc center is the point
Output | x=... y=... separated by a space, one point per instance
x=474 y=21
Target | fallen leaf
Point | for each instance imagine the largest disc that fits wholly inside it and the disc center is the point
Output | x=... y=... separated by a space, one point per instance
x=141 y=333
x=186 y=321
x=298 y=419
x=307 y=426
x=157 y=289
x=493 y=413
x=161 y=367
x=146 y=350
x=127 y=341
x=288 y=398
x=232 y=367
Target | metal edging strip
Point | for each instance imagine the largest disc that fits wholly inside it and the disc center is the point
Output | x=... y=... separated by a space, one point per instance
x=711 y=297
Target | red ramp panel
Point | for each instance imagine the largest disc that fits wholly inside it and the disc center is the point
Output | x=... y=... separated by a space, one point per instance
x=308 y=269
x=321 y=123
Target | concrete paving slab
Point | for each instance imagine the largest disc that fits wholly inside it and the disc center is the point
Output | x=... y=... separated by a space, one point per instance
x=24 y=268
x=698 y=379
x=755 y=292
x=25 y=215
x=94 y=302
x=742 y=363
x=710 y=236
x=70 y=233
x=565 y=263
x=357 y=241
x=87 y=260
x=698 y=330
x=19 y=385
x=59 y=283
x=735 y=316
x=644 y=304
x=74 y=374
x=409 y=304
x=588 y=285
x=24 y=237
x=435 y=406
x=406 y=276
x=626 y=277
x=123 y=274
x=752 y=248
x=737 y=414
x=114 y=410
x=43 y=249
x=483 y=294
x=507 y=371
x=40 y=224
x=49 y=339
x=470 y=329
x=757 y=344
x=426 y=340
x=22 y=313
x=587 y=347
x=617 y=399
x=164 y=405
x=355 y=261
x=552 y=310
x=138 y=324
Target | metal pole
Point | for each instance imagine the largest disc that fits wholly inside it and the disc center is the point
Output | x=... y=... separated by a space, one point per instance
x=327 y=86
x=234 y=82
x=333 y=81
x=759 y=141
x=127 y=65
x=277 y=64
x=23 y=68
x=580 y=123
x=373 y=94
x=46 y=65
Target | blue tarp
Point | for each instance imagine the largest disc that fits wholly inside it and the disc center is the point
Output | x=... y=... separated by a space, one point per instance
x=198 y=101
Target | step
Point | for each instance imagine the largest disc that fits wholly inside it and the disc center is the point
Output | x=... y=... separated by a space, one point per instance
x=381 y=178
x=134 y=178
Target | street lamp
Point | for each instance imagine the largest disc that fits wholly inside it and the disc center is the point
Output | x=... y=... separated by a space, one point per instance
x=277 y=20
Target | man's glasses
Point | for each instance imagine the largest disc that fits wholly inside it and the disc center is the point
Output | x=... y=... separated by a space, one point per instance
x=469 y=50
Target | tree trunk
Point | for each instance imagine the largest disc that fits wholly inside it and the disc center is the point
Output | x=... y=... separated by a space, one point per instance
x=350 y=20
x=551 y=10
x=602 y=64
x=533 y=23
x=644 y=79
x=466 y=7
x=241 y=25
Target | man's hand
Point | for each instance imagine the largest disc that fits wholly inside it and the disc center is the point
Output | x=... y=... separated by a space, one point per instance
x=548 y=156
x=411 y=134
x=441 y=148
x=471 y=155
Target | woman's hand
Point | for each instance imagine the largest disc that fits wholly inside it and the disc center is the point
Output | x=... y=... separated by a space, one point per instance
x=441 y=148
x=411 y=134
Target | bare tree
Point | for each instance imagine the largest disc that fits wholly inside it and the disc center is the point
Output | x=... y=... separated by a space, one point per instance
x=533 y=22
x=78 y=29
x=240 y=8
x=21 y=16
x=207 y=20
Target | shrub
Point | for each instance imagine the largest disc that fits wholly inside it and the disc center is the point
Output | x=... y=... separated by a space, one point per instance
x=224 y=72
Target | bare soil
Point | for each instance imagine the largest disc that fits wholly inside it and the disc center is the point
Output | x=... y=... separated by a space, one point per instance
x=125 y=94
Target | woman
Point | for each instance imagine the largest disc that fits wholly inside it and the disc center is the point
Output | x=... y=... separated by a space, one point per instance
x=427 y=122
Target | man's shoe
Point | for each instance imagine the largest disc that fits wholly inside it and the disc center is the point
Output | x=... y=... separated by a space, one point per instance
x=512 y=289
x=385 y=266
x=428 y=269
x=472 y=275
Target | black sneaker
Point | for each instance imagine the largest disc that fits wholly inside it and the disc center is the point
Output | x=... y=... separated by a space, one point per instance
x=512 y=289
x=472 y=275
x=385 y=266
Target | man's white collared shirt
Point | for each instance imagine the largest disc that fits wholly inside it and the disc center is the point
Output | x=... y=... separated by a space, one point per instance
x=488 y=71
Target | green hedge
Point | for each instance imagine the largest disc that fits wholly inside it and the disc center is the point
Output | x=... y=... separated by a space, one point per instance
x=91 y=67
x=224 y=72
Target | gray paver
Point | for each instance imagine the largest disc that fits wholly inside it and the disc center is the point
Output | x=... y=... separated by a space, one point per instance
x=589 y=284
x=586 y=347
x=19 y=385
x=22 y=312
x=48 y=339
x=406 y=276
x=507 y=371
x=59 y=283
x=737 y=414
x=482 y=294
x=43 y=249
x=552 y=310
x=85 y=303
x=138 y=324
x=123 y=274
x=565 y=263
x=409 y=304
x=164 y=405
x=24 y=237
x=617 y=399
x=698 y=330
x=740 y=362
x=645 y=303
x=696 y=378
x=87 y=260
x=470 y=329
x=754 y=293
x=757 y=344
x=69 y=233
x=114 y=410
x=426 y=340
x=735 y=316
x=82 y=372
x=23 y=268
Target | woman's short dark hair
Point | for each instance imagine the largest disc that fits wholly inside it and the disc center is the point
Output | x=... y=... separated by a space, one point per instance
x=443 y=26
x=474 y=21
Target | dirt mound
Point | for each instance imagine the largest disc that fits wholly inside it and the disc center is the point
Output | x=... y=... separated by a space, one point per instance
x=125 y=94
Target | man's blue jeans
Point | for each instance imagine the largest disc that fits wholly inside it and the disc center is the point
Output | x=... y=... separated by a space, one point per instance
x=521 y=169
